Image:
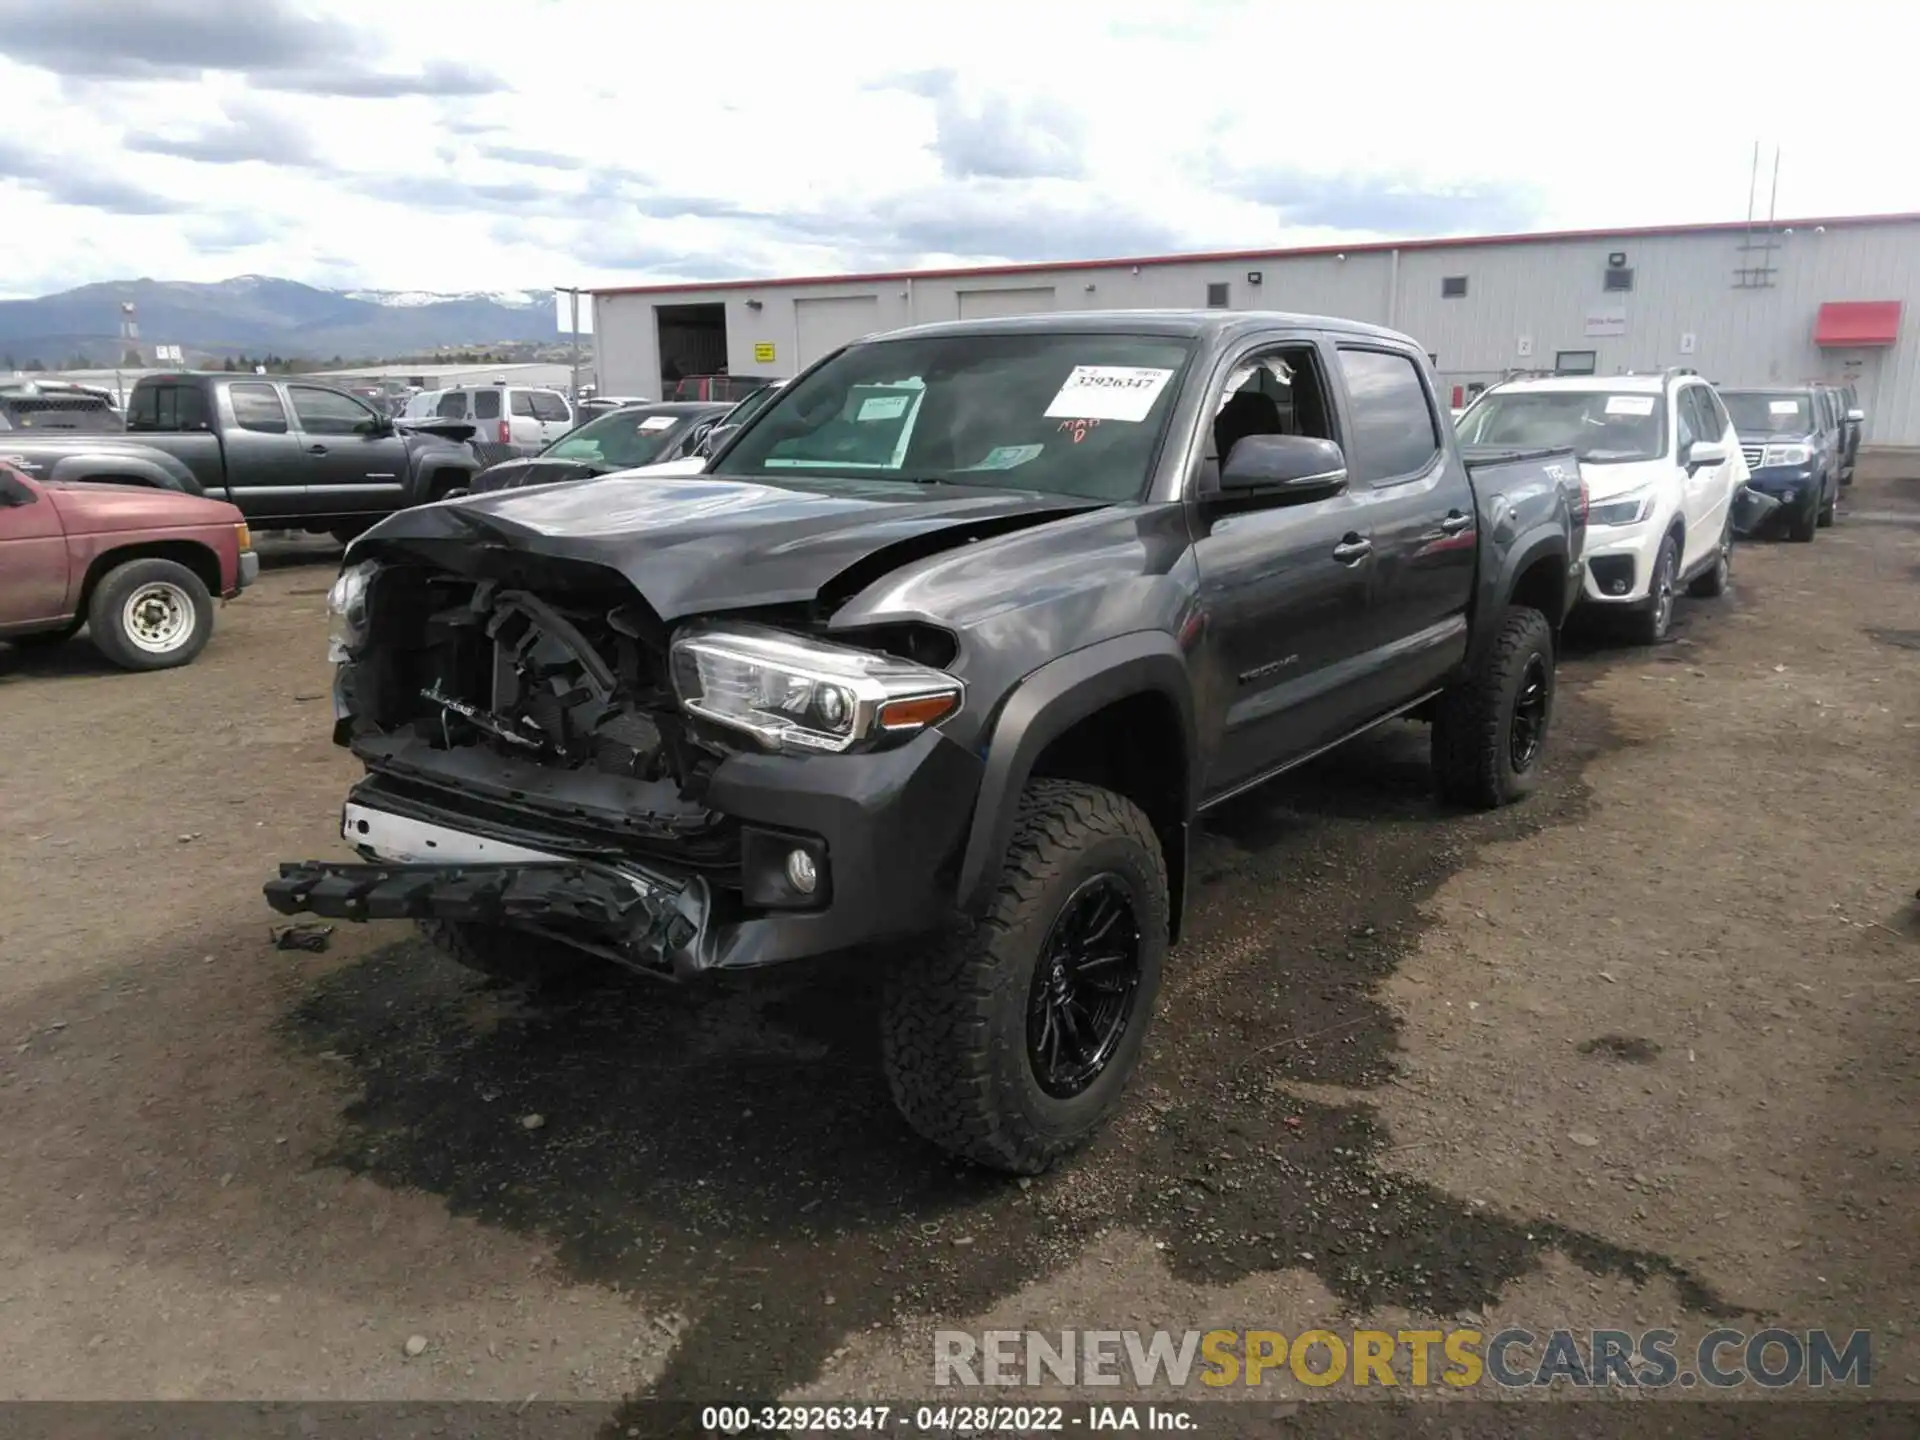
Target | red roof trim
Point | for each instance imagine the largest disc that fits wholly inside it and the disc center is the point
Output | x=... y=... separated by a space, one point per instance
x=1844 y=324
x=1363 y=247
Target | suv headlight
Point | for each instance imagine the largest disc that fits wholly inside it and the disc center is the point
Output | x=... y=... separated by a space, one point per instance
x=1628 y=509
x=1787 y=455
x=347 y=610
x=806 y=696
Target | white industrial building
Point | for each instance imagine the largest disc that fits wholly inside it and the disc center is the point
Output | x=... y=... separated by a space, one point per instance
x=1743 y=304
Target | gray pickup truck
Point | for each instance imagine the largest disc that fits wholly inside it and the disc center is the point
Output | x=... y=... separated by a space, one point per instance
x=292 y=454
x=952 y=644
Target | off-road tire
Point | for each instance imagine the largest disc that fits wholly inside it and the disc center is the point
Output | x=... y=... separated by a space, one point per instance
x=1472 y=756
x=537 y=962
x=953 y=1019
x=1711 y=583
x=107 y=620
x=1647 y=625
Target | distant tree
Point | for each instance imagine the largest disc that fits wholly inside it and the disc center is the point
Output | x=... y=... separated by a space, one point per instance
x=10 y=363
x=228 y=365
x=132 y=359
x=336 y=362
x=77 y=361
x=36 y=363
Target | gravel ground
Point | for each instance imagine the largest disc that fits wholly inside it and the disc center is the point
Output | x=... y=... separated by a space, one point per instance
x=1639 y=1052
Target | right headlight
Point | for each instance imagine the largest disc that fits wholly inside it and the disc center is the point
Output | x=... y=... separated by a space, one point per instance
x=806 y=696
x=1628 y=509
x=1787 y=455
x=347 y=610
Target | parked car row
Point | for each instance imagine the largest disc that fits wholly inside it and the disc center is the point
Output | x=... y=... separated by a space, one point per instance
x=1666 y=458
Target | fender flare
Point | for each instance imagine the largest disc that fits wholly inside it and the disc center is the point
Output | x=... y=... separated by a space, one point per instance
x=1544 y=542
x=1044 y=706
x=72 y=469
x=429 y=463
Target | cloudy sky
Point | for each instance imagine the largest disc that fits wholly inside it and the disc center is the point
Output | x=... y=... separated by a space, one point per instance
x=505 y=144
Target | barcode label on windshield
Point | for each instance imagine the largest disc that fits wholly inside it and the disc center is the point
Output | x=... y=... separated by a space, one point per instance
x=1109 y=392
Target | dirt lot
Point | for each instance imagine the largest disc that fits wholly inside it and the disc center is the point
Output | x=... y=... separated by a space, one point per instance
x=1640 y=1052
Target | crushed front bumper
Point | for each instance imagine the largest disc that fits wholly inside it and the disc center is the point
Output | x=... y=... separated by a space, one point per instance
x=658 y=926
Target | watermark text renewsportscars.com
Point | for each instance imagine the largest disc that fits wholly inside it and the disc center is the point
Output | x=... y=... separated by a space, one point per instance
x=1455 y=1358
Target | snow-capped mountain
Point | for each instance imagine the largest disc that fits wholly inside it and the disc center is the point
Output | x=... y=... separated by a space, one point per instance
x=257 y=314
x=410 y=299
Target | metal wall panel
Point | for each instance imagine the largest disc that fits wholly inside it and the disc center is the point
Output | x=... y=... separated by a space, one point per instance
x=1548 y=292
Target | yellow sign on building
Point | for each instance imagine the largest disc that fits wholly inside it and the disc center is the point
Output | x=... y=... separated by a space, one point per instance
x=763 y=353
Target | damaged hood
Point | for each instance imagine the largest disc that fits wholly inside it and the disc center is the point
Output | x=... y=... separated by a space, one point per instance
x=691 y=544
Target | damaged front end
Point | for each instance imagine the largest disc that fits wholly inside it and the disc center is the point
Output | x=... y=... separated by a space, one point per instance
x=541 y=755
x=527 y=763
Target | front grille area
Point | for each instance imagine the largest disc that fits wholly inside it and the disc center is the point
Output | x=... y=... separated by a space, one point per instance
x=1753 y=454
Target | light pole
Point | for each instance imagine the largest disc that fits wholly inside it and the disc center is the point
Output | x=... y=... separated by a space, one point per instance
x=129 y=332
x=573 y=351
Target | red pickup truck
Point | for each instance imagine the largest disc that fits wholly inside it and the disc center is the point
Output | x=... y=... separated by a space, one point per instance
x=139 y=566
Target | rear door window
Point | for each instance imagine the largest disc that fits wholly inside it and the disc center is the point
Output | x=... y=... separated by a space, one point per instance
x=486 y=404
x=258 y=408
x=452 y=406
x=521 y=402
x=1395 y=434
x=549 y=406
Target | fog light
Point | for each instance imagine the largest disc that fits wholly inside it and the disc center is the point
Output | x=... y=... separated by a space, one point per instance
x=801 y=871
x=1619 y=587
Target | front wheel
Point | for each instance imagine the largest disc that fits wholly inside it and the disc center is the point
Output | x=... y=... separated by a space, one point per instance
x=150 y=615
x=1654 y=618
x=1011 y=1041
x=1827 y=509
x=1491 y=728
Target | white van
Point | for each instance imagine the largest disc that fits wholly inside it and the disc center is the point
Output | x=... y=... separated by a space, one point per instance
x=519 y=417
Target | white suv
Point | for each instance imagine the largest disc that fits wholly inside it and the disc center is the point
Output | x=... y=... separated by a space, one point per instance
x=520 y=418
x=1662 y=466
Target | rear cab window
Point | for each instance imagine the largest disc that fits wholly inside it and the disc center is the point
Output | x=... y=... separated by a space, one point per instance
x=168 y=408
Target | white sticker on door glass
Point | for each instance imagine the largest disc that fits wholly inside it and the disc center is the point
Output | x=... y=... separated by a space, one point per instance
x=883 y=407
x=658 y=422
x=1783 y=407
x=1109 y=392
x=1629 y=404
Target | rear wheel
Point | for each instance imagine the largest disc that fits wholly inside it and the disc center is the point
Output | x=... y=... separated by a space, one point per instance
x=1491 y=729
x=1011 y=1042
x=150 y=615
x=1827 y=509
x=536 y=961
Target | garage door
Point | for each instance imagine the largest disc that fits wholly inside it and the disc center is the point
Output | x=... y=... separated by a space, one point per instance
x=1031 y=300
x=823 y=326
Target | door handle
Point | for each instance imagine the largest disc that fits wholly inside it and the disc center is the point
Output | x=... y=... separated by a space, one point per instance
x=1455 y=523
x=1352 y=550
x=316 y=449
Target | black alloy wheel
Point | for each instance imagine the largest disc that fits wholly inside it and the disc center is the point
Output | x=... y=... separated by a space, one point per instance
x=1082 y=996
x=1527 y=729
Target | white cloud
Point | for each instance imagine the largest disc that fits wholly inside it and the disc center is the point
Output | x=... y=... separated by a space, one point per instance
x=539 y=142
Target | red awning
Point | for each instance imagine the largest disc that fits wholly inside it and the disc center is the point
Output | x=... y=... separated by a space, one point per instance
x=1845 y=324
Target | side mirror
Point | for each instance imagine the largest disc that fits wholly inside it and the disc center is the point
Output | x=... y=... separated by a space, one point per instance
x=1706 y=452
x=714 y=439
x=1288 y=469
x=1856 y=417
x=13 y=493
